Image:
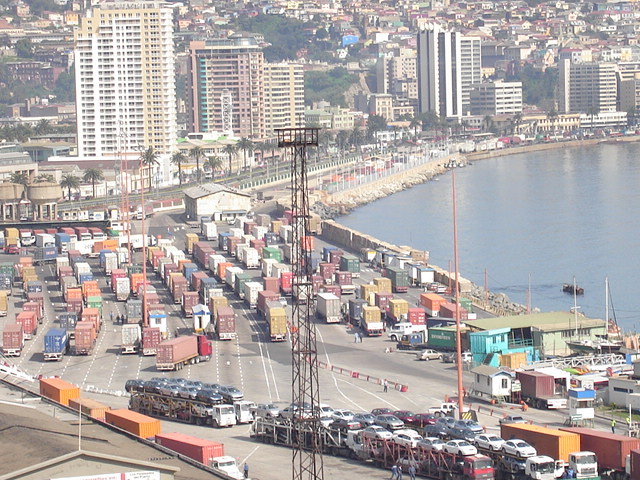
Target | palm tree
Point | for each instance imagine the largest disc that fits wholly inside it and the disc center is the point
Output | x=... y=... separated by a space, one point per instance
x=263 y=147
x=213 y=163
x=196 y=154
x=516 y=120
x=177 y=159
x=230 y=150
x=246 y=146
x=43 y=127
x=414 y=124
x=45 y=177
x=149 y=159
x=92 y=176
x=20 y=178
x=70 y=181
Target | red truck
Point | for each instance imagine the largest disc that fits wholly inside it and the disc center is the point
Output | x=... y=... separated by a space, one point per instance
x=180 y=351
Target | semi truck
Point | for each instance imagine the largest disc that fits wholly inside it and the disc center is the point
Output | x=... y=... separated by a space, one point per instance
x=122 y=289
x=382 y=453
x=174 y=354
x=226 y=323
x=56 y=344
x=12 y=340
x=372 y=323
x=329 y=308
x=538 y=390
x=277 y=321
x=131 y=336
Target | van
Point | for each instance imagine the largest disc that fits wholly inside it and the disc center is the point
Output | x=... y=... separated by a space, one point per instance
x=404 y=328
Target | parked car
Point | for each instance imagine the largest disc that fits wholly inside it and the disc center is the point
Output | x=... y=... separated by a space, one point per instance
x=423 y=419
x=381 y=411
x=342 y=414
x=489 y=441
x=209 y=396
x=405 y=415
x=472 y=425
x=436 y=430
x=326 y=421
x=462 y=433
x=453 y=357
x=324 y=410
x=518 y=448
x=189 y=393
x=266 y=410
x=512 y=419
x=407 y=437
x=134 y=385
x=345 y=424
x=447 y=423
x=377 y=432
x=460 y=447
x=365 y=419
x=230 y=393
x=432 y=443
x=428 y=354
x=294 y=409
x=169 y=389
x=390 y=422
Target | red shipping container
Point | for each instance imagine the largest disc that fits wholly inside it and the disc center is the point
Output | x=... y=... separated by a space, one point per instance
x=271 y=284
x=91 y=315
x=177 y=349
x=151 y=338
x=335 y=289
x=32 y=307
x=381 y=300
x=179 y=286
x=189 y=300
x=37 y=297
x=536 y=384
x=85 y=337
x=115 y=274
x=344 y=278
x=168 y=270
x=222 y=269
x=611 y=449
x=635 y=463
x=29 y=322
x=196 y=448
x=327 y=270
x=448 y=310
x=288 y=216
x=335 y=256
x=152 y=298
x=226 y=323
x=264 y=297
x=258 y=244
x=307 y=242
x=417 y=316
x=316 y=281
x=196 y=279
x=74 y=305
x=12 y=337
x=286 y=279
x=65 y=271
x=155 y=256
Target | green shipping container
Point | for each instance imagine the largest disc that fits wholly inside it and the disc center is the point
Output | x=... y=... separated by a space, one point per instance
x=6 y=268
x=96 y=299
x=95 y=305
x=134 y=269
x=444 y=338
x=349 y=263
x=399 y=279
x=466 y=304
x=272 y=252
x=241 y=279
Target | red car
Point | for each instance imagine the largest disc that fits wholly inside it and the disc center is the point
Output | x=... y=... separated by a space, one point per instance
x=424 y=419
x=407 y=416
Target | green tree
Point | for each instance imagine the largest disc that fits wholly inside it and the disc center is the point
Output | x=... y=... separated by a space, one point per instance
x=328 y=85
x=93 y=175
x=262 y=147
x=196 y=154
x=70 y=182
x=24 y=48
x=43 y=127
x=44 y=178
x=20 y=178
x=213 y=164
x=247 y=147
x=65 y=87
x=230 y=151
x=149 y=159
x=375 y=124
x=178 y=158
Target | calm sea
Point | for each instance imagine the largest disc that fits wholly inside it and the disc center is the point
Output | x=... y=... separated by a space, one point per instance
x=535 y=219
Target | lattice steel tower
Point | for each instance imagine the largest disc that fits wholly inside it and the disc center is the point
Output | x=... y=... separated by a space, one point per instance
x=307 y=448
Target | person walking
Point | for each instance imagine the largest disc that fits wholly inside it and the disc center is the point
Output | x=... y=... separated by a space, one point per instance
x=399 y=472
x=613 y=425
x=385 y=385
x=355 y=337
x=246 y=470
x=394 y=472
x=412 y=472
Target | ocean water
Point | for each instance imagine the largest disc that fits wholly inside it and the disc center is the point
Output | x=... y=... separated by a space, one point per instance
x=532 y=222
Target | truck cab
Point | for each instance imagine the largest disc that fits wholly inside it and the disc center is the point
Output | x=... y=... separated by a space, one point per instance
x=584 y=464
x=540 y=467
x=404 y=328
x=412 y=341
x=227 y=465
x=223 y=416
x=244 y=411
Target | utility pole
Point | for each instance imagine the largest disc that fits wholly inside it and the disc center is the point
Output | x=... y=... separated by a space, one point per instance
x=307 y=448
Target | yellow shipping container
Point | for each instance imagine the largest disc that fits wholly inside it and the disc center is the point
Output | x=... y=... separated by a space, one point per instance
x=217 y=302
x=371 y=314
x=191 y=239
x=513 y=360
x=4 y=303
x=150 y=251
x=384 y=284
x=367 y=291
x=30 y=277
x=398 y=307
x=275 y=226
x=11 y=232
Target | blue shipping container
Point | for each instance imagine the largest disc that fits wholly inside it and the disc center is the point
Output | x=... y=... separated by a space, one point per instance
x=68 y=320
x=85 y=277
x=62 y=239
x=34 y=286
x=222 y=239
x=326 y=252
x=55 y=340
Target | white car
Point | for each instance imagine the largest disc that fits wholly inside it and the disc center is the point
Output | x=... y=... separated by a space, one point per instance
x=489 y=442
x=407 y=437
x=519 y=448
x=432 y=443
x=324 y=410
x=376 y=431
x=342 y=414
x=460 y=447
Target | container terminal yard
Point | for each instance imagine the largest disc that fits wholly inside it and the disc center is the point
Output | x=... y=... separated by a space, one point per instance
x=207 y=373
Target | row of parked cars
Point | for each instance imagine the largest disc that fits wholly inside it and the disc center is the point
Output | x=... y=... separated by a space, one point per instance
x=186 y=389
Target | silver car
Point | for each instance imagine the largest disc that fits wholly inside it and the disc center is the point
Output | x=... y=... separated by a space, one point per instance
x=230 y=393
x=390 y=422
x=266 y=410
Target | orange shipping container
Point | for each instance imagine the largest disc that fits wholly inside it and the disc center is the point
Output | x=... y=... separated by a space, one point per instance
x=432 y=302
x=110 y=244
x=89 y=285
x=547 y=441
x=307 y=242
x=74 y=294
x=89 y=407
x=133 y=422
x=98 y=246
x=222 y=269
x=25 y=261
x=58 y=390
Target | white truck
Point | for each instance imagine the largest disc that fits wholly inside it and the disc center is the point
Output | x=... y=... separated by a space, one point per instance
x=251 y=290
x=244 y=411
x=329 y=307
x=122 y=288
x=223 y=416
x=404 y=328
x=131 y=336
x=228 y=466
x=250 y=258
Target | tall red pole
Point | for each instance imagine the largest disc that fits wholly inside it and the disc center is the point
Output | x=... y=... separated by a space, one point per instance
x=457 y=297
x=145 y=320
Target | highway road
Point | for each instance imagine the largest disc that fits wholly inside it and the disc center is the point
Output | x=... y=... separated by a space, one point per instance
x=260 y=368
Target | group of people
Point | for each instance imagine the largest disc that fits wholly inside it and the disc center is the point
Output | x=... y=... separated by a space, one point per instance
x=120 y=319
x=396 y=472
x=357 y=337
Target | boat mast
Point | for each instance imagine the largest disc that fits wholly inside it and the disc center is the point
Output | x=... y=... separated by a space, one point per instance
x=606 y=307
x=575 y=303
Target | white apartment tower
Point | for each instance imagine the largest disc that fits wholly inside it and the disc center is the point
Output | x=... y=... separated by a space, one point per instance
x=589 y=87
x=283 y=96
x=125 y=79
x=448 y=65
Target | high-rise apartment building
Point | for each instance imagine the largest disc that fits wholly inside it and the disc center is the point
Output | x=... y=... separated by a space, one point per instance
x=448 y=65
x=587 y=87
x=496 y=98
x=283 y=96
x=227 y=86
x=398 y=74
x=125 y=79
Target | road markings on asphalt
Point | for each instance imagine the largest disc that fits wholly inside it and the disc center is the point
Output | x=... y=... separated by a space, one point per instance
x=267 y=365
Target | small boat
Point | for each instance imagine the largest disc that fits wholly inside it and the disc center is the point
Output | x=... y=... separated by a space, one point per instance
x=597 y=346
x=572 y=289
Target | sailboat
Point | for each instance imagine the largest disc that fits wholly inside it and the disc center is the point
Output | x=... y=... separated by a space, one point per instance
x=610 y=342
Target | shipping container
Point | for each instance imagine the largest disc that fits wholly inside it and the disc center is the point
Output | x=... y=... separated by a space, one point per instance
x=12 y=340
x=200 y=450
x=89 y=407
x=611 y=449
x=216 y=302
x=444 y=338
x=398 y=310
x=151 y=338
x=226 y=323
x=58 y=390
x=277 y=321
x=372 y=322
x=56 y=344
x=448 y=310
x=29 y=322
x=536 y=384
x=133 y=422
x=547 y=441
x=84 y=338
x=383 y=284
x=355 y=310
x=399 y=279
x=432 y=302
x=417 y=316
x=350 y=263
x=329 y=308
x=264 y=297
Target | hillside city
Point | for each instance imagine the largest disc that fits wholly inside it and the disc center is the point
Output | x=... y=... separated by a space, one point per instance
x=199 y=88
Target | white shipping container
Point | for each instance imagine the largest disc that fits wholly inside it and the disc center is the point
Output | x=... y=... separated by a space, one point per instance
x=258 y=231
x=167 y=249
x=123 y=255
x=61 y=262
x=201 y=317
x=177 y=255
x=230 y=276
x=81 y=267
x=278 y=268
x=329 y=307
x=209 y=231
x=247 y=239
x=251 y=290
x=123 y=288
x=286 y=233
x=267 y=266
x=236 y=232
x=45 y=240
x=250 y=258
x=240 y=248
x=214 y=260
x=110 y=262
x=131 y=334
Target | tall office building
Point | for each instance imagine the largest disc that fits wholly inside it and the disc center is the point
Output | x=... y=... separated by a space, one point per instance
x=283 y=96
x=125 y=79
x=227 y=86
x=448 y=65
x=587 y=87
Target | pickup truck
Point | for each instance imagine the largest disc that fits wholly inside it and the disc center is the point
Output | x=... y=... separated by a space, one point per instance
x=447 y=409
x=404 y=328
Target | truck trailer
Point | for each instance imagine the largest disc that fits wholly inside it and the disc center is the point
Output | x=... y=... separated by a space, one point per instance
x=174 y=354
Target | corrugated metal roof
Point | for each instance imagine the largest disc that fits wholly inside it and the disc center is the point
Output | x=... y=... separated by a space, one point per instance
x=210 y=189
x=543 y=321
